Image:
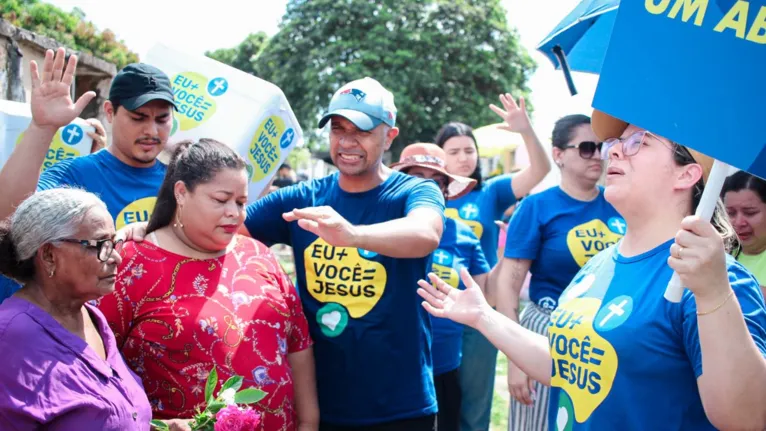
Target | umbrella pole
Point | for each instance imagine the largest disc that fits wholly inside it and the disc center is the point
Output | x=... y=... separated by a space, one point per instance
x=705 y=210
x=559 y=53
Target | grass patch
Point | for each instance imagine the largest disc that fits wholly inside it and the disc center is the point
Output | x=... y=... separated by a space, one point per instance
x=499 y=418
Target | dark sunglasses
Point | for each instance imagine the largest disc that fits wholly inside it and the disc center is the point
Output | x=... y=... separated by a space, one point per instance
x=587 y=148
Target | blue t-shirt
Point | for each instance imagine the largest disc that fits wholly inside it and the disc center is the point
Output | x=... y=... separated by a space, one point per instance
x=458 y=248
x=372 y=337
x=623 y=356
x=129 y=193
x=480 y=208
x=559 y=234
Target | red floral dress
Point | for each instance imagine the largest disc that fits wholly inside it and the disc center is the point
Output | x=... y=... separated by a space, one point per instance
x=175 y=318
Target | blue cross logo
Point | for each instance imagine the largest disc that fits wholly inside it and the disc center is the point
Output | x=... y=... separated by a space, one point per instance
x=614 y=314
x=617 y=225
x=442 y=257
x=469 y=211
x=366 y=253
x=217 y=86
x=72 y=134
x=286 y=139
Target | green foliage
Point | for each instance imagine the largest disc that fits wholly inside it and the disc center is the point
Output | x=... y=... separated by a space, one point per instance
x=444 y=60
x=68 y=29
x=243 y=56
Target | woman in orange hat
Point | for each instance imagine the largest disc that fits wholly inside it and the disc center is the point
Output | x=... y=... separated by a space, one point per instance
x=459 y=248
x=618 y=355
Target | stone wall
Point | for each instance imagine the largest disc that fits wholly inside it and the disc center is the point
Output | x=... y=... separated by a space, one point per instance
x=18 y=47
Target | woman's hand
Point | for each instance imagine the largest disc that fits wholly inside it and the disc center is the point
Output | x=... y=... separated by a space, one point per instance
x=99 y=136
x=132 y=232
x=462 y=306
x=515 y=116
x=699 y=258
x=520 y=386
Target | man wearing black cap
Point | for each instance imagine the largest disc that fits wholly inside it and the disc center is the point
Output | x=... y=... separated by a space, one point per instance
x=126 y=175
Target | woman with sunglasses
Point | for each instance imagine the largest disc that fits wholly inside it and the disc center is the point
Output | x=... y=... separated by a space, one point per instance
x=551 y=235
x=62 y=369
x=619 y=356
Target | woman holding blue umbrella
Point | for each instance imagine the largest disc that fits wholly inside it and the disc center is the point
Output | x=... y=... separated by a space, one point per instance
x=620 y=356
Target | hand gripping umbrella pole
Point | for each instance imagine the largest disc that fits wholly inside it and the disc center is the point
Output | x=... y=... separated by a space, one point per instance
x=705 y=210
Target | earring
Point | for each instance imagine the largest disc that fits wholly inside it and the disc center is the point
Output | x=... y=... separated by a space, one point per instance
x=53 y=271
x=559 y=163
x=178 y=218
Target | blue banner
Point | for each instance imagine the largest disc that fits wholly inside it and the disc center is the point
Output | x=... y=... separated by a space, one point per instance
x=693 y=71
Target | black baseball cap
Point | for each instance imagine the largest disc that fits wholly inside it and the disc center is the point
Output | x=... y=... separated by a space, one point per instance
x=138 y=84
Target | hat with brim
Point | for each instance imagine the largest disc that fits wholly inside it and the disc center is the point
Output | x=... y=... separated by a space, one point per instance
x=606 y=127
x=134 y=103
x=431 y=156
x=360 y=119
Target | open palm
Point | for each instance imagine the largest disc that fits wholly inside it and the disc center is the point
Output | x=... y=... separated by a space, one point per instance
x=461 y=306
x=52 y=105
x=515 y=116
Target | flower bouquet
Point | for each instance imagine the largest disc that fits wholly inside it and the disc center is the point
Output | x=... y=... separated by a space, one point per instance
x=228 y=411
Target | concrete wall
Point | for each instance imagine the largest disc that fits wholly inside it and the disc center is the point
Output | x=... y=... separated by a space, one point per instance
x=18 y=47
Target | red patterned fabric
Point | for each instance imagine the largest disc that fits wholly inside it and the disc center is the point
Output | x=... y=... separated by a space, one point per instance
x=175 y=318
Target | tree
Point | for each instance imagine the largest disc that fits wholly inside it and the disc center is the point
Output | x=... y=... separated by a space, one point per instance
x=68 y=29
x=243 y=56
x=444 y=60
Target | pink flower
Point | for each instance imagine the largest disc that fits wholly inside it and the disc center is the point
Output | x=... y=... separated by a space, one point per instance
x=233 y=418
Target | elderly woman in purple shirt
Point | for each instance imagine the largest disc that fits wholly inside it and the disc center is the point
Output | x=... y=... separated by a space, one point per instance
x=61 y=369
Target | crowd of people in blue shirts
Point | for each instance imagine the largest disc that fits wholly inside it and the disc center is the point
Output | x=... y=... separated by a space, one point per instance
x=404 y=296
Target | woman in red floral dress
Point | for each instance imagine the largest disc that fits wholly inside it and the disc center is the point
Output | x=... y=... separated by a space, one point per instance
x=194 y=295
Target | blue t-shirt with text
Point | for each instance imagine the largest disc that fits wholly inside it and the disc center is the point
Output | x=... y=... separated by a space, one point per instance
x=480 y=208
x=626 y=358
x=459 y=248
x=129 y=193
x=559 y=234
x=372 y=336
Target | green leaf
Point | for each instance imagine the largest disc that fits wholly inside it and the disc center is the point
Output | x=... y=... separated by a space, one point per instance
x=212 y=382
x=160 y=425
x=249 y=396
x=234 y=382
x=215 y=407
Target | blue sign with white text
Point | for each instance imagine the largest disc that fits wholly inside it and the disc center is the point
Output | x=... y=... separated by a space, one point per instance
x=693 y=71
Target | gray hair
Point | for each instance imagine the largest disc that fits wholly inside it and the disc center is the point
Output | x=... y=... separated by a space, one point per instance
x=49 y=216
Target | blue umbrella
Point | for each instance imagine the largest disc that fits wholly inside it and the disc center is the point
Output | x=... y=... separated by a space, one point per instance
x=580 y=40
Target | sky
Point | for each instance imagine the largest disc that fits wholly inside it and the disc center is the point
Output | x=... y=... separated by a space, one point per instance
x=181 y=25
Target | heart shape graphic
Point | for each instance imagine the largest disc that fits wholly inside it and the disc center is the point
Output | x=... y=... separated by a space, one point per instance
x=562 y=418
x=331 y=319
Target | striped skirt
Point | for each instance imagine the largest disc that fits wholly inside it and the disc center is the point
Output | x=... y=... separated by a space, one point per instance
x=535 y=417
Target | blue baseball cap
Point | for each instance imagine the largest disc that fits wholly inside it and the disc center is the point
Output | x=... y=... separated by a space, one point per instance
x=364 y=102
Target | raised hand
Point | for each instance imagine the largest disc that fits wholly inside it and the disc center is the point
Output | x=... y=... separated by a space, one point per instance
x=462 y=306
x=515 y=116
x=52 y=105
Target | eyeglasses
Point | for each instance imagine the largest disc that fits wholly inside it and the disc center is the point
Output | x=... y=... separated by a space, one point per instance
x=104 y=246
x=587 y=148
x=631 y=144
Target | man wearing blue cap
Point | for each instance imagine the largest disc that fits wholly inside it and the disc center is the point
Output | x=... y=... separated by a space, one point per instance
x=362 y=238
x=126 y=174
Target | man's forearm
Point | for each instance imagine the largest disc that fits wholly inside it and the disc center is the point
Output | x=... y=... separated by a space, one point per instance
x=19 y=176
x=402 y=238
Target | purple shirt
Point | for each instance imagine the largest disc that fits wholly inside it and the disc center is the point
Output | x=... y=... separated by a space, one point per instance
x=51 y=376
